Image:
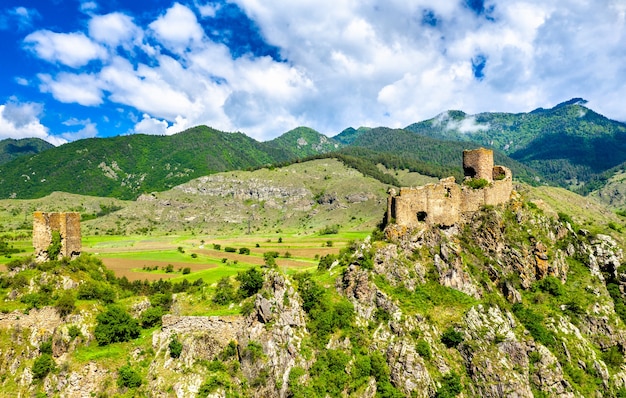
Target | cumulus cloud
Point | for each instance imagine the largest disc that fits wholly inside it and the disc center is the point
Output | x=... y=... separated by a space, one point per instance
x=114 y=29
x=87 y=130
x=21 y=120
x=153 y=126
x=178 y=28
x=82 y=89
x=71 y=49
x=341 y=64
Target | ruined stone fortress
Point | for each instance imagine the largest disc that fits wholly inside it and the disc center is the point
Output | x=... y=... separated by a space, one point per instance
x=68 y=227
x=447 y=203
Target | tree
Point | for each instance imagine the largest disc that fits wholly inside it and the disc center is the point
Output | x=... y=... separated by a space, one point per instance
x=65 y=305
x=250 y=282
x=42 y=366
x=127 y=377
x=55 y=246
x=224 y=294
x=115 y=325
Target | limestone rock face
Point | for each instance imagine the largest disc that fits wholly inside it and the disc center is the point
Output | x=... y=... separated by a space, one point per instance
x=281 y=341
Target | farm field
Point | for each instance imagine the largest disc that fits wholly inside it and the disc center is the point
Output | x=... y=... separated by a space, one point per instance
x=142 y=258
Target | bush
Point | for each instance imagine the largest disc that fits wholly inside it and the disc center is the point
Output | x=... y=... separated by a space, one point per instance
x=55 y=246
x=228 y=249
x=250 y=282
x=255 y=350
x=451 y=338
x=217 y=246
x=115 y=325
x=224 y=293
x=329 y=230
x=176 y=347
x=476 y=183
x=423 y=349
x=74 y=332
x=42 y=366
x=187 y=270
x=151 y=317
x=169 y=268
x=127 y=377
x=244 y=250
x=326 y=261
x=551 y=285
x=66 y=304
x=450 y=386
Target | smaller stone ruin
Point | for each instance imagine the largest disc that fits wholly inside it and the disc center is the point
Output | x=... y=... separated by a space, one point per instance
x=68 y=227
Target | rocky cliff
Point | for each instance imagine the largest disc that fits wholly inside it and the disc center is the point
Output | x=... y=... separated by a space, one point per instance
x=516 y=302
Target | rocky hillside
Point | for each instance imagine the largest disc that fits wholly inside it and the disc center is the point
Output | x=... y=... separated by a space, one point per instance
x=520 y=301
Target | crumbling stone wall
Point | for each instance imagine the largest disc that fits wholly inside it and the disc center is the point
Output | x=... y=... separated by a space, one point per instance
x=447 y=203
x=68 y=226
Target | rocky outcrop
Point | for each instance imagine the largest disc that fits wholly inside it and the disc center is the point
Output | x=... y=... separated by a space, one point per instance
x=278 y=325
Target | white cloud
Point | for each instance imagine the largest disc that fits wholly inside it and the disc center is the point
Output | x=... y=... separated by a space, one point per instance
x=346 y=64
x=83 y=89
x=153 y=126
x=71 y=49
x=114 y=29
x=88 y=130
x=178 y=28
x=21 y=120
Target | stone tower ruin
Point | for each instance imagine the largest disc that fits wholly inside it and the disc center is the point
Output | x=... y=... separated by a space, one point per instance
x=478 y=164
x=68 y=227
x=447 y=203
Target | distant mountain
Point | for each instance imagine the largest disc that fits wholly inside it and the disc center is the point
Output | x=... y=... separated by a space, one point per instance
x=126 y=166
x=11 y=149
x=348 y=135
x=303 y=142
x=569 y=144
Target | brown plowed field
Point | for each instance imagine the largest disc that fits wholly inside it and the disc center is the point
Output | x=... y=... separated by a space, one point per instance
x=124 y=267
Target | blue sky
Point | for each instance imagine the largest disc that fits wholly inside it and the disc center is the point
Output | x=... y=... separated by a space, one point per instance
x=74 y=69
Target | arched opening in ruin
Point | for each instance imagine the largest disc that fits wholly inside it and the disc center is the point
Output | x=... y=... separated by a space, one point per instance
x=421 y=216
x=469 y=171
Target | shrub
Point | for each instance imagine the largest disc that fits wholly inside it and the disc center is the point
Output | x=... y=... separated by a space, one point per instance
x=115 y=325
x=329 y=230
x=163 y=300
x=127 y=377
x=451 y=338
x=186 y=270
x=180 y=249
x=613 y=357
x=224 y=293
x=250 y=282
x=66 y=304
x=217 y=246
x=169 y=268
x=176 y=347
x=476 y=183
x=326 y=261
x=194 y=255
x=55 y=246
x=74 y=332
x=551 y=285
x=423 y=349
x=151 y=317
x=43 y=365
x=255 y=350
x=229 y=249
x=450 y=386
x=244 y=250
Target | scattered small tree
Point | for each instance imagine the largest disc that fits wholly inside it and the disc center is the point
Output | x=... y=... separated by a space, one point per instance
x=250 y=282
x=128 y=377
x=176 y=347
x=115 y=325
x=42 y=366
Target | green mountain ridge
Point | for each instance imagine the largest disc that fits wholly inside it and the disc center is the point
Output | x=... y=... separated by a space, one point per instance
x=12 y=149
x=568 y=145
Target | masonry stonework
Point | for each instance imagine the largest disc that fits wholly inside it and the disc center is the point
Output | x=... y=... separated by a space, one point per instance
x=447 y=203
x=68 y=226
